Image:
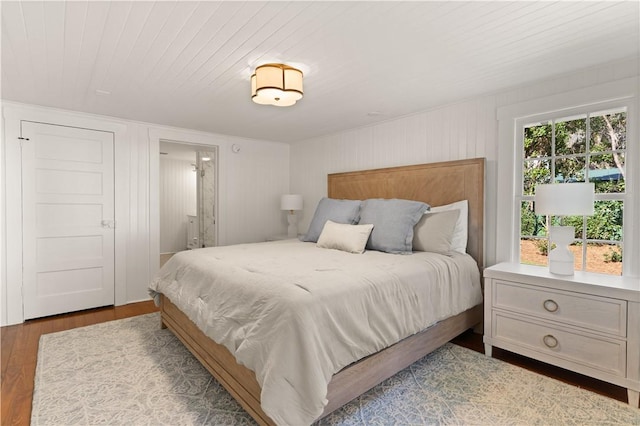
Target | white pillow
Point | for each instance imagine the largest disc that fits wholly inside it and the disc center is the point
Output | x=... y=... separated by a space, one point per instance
x=345 y=237
x=459 y=240
x=434 y=231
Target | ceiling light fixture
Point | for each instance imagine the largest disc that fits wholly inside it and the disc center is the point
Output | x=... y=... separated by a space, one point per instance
x=276 y=84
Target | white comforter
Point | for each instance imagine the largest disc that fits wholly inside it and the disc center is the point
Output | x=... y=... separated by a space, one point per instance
x=296 y=314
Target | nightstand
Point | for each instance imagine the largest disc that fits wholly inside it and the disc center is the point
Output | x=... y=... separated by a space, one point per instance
x=588 y=323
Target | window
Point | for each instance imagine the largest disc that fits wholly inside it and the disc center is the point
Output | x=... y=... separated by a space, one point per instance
x=585 y=146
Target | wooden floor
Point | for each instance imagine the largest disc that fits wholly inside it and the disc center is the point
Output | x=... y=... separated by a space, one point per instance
x=19 y=350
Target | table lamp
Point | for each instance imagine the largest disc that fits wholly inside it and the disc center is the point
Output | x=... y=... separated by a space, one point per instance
x=291 y=202
x=563 y=199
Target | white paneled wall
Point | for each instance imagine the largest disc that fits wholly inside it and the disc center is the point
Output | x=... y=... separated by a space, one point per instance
x=177 y=188
x=466 y=129
x=250 y=183
x=463 y=130
x=252 y=180
x=261 y=173
x=139 y=260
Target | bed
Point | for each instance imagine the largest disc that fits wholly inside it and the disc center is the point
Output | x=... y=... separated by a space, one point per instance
x=436 y=184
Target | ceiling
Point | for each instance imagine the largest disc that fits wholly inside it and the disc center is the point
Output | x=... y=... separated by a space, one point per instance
x=188 y=64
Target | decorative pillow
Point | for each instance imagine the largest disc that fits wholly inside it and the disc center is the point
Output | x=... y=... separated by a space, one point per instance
x=459 y=240
x=434 y=231
x=393 y=221
x=339 y=211
x=340 y=236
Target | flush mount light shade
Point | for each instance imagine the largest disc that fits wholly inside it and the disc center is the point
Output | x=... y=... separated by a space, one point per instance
x=276 y=84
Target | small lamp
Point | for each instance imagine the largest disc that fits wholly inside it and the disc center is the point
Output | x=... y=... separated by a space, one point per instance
x=291 y=202
x=563 y=199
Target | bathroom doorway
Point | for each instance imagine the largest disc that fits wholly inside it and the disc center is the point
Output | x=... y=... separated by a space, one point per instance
x=187 y=196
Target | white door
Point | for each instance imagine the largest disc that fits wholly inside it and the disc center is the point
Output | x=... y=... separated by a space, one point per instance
x=67 y=219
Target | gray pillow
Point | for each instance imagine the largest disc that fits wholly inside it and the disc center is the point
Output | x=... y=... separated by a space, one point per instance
x=338 y=211
x=393 y=221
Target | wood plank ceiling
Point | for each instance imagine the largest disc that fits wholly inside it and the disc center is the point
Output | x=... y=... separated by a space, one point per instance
x=188 y=64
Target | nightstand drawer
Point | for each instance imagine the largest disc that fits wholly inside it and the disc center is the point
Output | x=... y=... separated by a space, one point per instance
x=600 y=353
x=590 y=312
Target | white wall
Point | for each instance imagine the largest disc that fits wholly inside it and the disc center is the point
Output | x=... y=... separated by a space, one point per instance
x=177 y=188
x=463 y=130
x=252 y=180
x=250 y=184
x=466 y=129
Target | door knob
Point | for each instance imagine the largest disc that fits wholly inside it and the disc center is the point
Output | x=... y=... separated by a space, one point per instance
x=109 y=224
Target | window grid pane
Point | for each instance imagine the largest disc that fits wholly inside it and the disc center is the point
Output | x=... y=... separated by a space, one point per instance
x=571 y=136
x=574 y=149
x=607 y=172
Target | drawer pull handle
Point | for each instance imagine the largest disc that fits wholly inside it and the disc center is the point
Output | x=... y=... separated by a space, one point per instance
x=550 y=305
x=550 y=341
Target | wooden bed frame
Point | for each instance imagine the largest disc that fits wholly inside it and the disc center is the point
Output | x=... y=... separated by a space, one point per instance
x=436 y=184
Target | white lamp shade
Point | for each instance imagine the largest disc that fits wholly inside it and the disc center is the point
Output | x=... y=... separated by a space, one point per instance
x=564 y=199
x=291 y=202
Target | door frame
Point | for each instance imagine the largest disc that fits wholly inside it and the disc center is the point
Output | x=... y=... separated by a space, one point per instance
x=11 y=306
x=195 y=150
x=185 y=138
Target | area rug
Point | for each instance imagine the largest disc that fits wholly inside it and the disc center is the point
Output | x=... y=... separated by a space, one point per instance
x=131 y=372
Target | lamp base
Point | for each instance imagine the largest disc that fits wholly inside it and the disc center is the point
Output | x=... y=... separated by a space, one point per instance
x=560 y=267
x=561 y=259
x=292 y=230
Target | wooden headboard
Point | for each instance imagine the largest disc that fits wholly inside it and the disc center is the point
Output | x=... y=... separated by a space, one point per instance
x=435 y=184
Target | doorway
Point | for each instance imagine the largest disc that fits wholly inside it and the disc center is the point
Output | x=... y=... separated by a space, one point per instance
x=187 y=197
